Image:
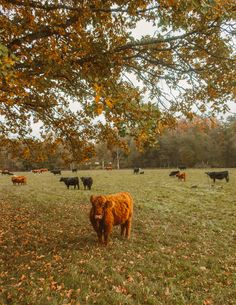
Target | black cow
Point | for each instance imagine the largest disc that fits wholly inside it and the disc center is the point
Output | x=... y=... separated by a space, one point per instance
x=138 y=170
x=74 y=170
x=70 y=181
x=87 y=182
x=173 y=173
x=219 y=175
x=56 y=171
x=182 y=167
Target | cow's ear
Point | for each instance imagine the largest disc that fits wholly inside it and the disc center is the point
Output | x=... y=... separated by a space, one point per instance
x=109 y=204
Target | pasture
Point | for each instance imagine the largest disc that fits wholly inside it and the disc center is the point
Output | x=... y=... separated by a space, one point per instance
x=182 y=249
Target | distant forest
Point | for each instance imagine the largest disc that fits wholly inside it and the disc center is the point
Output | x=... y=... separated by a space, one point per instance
x=197 y=143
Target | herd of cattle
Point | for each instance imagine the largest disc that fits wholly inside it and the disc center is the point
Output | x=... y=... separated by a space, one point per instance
x=110 y=210
x=117 y=209
x=182 y=175
x=74 y=181
x=88 y=181
x=69 y=181
x=213 y=175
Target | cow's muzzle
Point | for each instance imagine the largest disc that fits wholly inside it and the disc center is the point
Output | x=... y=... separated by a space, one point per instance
x=98 y=216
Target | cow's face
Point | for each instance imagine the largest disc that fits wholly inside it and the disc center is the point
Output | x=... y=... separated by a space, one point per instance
x=99 y=204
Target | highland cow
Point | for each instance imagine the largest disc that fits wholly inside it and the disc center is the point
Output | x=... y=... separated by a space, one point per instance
x=111 y=210
x=181 y=176
x=18 y=180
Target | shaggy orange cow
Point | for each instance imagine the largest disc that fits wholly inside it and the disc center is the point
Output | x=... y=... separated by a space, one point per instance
x=111 y=210
x=181 y=176
x=18 y=180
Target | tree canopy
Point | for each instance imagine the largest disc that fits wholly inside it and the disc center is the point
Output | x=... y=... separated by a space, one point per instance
x=56 y=56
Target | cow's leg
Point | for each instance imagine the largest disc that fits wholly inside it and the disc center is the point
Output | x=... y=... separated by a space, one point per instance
x=122 y=229
x=98 y=229
x=107 y=232
x=99 y=234
x=128 y=228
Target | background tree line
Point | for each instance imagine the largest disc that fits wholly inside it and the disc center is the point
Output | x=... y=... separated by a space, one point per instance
x=201 y=143
x=196 y=143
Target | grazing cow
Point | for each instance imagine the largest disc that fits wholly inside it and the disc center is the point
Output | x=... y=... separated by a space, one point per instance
x=43 y=170
x=182 y=167
x=6 y=172
x=219 y=175
x=173 y=173
x=18 y=180
x=138 y=170
x=56 y=171
x=87 y=182
x=181 y=176
x=70 y=181
x=36 y=171
x=74 y=170
x=111 y=210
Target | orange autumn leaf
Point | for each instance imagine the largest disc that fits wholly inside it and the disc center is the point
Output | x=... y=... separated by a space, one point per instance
x=99 y=108
x=97 y=99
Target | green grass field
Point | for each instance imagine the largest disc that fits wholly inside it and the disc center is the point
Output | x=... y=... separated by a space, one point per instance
x=182 y=248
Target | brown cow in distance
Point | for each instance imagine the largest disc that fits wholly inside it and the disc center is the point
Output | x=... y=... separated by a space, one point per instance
x=36 y=171
x=18 y=180
x=111 y=210
x=181 y=176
